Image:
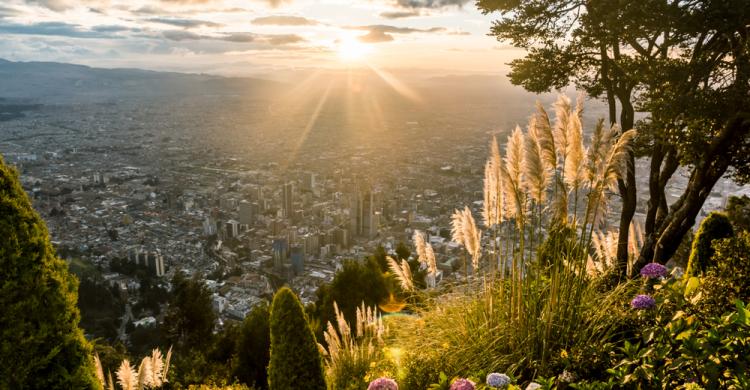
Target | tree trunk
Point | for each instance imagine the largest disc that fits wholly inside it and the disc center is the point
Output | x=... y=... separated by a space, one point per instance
x=626 y=186
x=663 y=244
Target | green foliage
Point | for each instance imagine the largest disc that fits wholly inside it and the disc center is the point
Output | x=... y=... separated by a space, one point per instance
x=423 y=368
x=42 y=345
x=295 y=359
x=715 y=226
x=190 y=317
x=729 y=280
x=355 y=283
x=562 y=241
x=738 y=211
x=715 y=353
x=253 y=348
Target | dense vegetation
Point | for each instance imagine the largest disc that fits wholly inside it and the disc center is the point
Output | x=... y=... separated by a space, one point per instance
x=42 y=345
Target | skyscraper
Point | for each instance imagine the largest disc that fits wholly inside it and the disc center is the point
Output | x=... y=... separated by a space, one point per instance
x=287 y=199
x=246 y=213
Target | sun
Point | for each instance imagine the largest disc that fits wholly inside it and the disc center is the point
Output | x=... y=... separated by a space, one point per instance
x=351 y=50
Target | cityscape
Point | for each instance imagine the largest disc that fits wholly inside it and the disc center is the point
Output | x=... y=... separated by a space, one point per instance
x=379 y=195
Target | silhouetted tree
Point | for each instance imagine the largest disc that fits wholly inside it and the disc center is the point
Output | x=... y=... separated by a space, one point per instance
x=253 y=348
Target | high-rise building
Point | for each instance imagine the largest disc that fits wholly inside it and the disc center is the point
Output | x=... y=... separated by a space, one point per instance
x=246 y=213
x=297 y=259
x=308 y=181
x=287 y=200
x=280 y=249
x=363 y=221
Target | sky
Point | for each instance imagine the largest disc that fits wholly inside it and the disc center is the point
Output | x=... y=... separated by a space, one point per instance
x=232 y=37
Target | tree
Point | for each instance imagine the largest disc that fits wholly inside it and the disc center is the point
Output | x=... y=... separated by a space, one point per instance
x=190 y=316
x=684 y=62
x=253 y=348
x=714 y=227
x=41 y=344
x=355 y=283
x=738 y=211
x=295 y=361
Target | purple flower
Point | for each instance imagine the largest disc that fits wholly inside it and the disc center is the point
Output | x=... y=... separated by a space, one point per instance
x=462 y=384
x=498 y=381
x=642 y=302
x=383 y=384
x=654 y=270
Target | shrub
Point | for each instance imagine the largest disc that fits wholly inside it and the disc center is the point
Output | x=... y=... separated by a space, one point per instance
x=715 y=226
x=41 y=344
x=295 y=360
x=729 y=280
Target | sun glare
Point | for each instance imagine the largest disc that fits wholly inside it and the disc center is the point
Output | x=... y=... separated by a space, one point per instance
x=351 y=50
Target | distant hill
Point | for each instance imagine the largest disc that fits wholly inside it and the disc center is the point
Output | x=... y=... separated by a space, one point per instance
x=50 y=82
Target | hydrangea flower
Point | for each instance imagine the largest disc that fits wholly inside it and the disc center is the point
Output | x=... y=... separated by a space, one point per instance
x=567 y=377
x=383 y=384
x=462 y=384
x=642 y=301
x=654 y=270
x=533 y=386
x=498 y=381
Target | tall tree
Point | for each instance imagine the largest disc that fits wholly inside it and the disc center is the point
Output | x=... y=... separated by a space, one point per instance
x=41 y=345
x=295 y=359
x=253 y=348
x=190 y=317
x=636 y=55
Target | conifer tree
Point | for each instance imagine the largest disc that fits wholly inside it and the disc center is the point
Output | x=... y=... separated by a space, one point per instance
x=251 y=358
x=41 y=346
x=295 y=358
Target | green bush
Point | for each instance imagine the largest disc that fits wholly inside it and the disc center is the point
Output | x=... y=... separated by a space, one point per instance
x=252 y=356
x=729 y=280
x=295 y=359
x=41 y=345
x=715 y=226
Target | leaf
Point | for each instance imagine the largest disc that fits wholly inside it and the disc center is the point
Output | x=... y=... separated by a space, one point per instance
x=685 y=334
x=743 y=315
x=692 y=284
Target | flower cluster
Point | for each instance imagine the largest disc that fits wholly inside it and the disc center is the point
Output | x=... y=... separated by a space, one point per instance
x=567 y=376
x=654 y=270
x=462 y=384
x=533 y=386
x=383 y=384
x=642 y=301
x=498 y=381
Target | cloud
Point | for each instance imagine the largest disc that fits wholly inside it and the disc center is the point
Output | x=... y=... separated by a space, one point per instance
x=106 y=28
x=8 y=11
x=52 y=29
x=375 y=36
x=384 y=28
x=431 y=4
x=283 y=20
x=241 y=37
x=238 y=37
x=399 y=14
x=284 y=39
x=186 y=23
x=182 y=35
x=54 y=5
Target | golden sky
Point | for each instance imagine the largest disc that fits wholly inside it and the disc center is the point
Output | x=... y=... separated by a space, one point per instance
x=254 y=36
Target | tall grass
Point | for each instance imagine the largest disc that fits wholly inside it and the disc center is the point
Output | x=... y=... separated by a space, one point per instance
x=351 y=352
x=523 y=316
x=151 y=373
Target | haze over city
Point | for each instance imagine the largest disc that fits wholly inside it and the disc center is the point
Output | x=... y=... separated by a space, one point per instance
x=374 y=194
